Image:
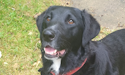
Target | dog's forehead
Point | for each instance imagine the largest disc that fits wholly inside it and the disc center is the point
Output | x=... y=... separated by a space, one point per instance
x=64 y=10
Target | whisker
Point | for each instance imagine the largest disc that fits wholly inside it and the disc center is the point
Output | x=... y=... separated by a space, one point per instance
x=65 y=43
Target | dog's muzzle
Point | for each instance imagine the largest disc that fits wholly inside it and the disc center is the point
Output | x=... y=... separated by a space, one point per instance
x=51 y=52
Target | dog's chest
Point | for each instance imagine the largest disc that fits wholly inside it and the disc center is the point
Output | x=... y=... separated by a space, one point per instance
x=56 y=65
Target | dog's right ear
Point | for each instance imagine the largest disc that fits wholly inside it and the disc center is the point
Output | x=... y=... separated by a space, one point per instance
x=39 y=21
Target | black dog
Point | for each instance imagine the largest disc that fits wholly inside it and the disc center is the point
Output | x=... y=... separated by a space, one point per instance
x=67 y=49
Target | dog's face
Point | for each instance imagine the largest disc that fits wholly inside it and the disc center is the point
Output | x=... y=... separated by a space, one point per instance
x=62 y=29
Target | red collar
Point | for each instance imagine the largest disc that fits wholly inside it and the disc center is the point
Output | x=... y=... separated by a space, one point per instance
x=72 y=71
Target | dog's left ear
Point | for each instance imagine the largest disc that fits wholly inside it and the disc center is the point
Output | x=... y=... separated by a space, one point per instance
x=91 y=28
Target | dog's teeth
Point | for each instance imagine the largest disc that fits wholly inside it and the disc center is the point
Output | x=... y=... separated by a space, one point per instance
x=55 y=51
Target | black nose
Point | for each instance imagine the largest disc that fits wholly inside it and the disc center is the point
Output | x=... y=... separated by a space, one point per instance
x=48 y=35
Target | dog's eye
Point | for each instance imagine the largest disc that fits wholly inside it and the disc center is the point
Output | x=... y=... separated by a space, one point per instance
x=70 y=21
x=48 y=19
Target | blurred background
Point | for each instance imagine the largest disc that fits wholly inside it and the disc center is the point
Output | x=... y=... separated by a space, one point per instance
x=109 y=13
x=19 y=37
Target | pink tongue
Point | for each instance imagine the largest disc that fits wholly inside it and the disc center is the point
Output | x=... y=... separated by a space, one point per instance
x=49 y=50
x=61 y=52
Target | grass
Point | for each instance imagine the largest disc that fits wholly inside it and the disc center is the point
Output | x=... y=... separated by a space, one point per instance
x=19 y=37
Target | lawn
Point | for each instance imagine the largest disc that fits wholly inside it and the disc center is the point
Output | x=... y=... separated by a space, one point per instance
x=19 y=37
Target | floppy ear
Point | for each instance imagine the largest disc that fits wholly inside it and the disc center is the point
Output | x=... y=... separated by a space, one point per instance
x=91 y=28
x=39 y=21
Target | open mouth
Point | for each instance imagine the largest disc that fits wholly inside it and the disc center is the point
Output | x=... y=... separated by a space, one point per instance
x=51 y=52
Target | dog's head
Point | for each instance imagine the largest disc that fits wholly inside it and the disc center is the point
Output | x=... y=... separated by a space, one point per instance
x=64 y=29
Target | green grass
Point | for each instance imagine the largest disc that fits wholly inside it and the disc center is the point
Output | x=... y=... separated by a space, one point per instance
x=19 y=37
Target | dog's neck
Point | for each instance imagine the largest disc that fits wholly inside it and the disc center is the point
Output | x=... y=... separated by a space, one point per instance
x=72 y=61
x=55 y=65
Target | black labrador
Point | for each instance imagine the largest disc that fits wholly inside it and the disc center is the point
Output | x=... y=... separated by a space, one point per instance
x=67 y=49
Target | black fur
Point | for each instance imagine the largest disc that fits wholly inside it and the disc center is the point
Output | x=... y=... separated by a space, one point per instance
x=105 y=57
